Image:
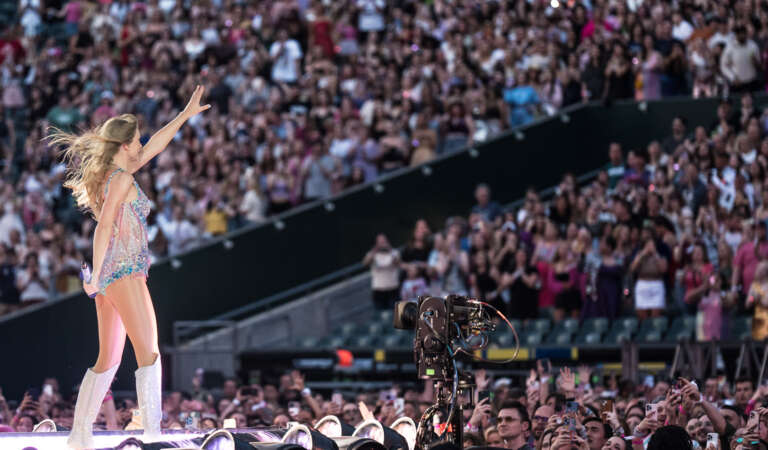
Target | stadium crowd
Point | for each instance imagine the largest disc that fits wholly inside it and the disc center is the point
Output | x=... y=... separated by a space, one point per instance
x=678 y=226
x=313 y=96
x=550 y=409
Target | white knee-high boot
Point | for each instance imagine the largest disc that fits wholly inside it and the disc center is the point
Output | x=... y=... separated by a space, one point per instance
x=92 y=390
x=150 y=396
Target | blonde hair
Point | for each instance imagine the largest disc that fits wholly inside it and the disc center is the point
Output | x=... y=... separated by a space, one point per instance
x=89 y=157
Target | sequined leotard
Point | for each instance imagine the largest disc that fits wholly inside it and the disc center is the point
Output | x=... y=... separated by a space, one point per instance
x=128 y=251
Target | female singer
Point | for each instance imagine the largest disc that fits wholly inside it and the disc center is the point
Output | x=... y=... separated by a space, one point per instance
x=100 y=167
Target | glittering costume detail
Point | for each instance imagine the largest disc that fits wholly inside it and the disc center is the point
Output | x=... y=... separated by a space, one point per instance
x=128 y=250
x=149 y=393
x=92 y=390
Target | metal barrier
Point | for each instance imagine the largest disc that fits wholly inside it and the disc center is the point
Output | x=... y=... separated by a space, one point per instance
x=184 y=329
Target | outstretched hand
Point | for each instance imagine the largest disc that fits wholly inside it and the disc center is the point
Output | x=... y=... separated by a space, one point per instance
x=193 y=107
x=567 y=382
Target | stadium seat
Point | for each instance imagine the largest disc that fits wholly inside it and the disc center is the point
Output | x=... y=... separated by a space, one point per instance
x=685 y=322
x=347 y=329
x=560 y=337
x=392 y=341
x=567 y=325
x=676 y=334
x=375 y=328
x=332 y=342
x=588 y=337
x=503 y=340
x=596 y=324
x=649 y=335
x=308 y=342
x=502 y=327
x=406 y=339
x=617 y=337
x=654 y=323
x=532 y=338
x=385 y=316
x=540 y=326
x=364 y=341
x=741 y=327
x=628 y=324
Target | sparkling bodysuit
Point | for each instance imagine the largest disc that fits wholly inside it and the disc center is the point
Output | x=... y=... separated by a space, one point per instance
x=128 y=251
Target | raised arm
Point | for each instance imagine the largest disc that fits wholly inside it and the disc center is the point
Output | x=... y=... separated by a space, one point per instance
x=162 y=137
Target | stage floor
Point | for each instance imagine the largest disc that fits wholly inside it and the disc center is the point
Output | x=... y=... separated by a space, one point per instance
x=102 y=439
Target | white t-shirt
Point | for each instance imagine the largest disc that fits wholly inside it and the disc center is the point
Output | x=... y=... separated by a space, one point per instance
x=737 y=61
x=496 y=56
x=284 y=68
x=385 y=271
x=181 y=235
x=370 y=18
x=253 y=207
x=682 y=31
x=194 y=47
x=413 y=289
x=33 y=291
x=8 y=222
x=30 y=21
x=341 y=148
x=718 y=38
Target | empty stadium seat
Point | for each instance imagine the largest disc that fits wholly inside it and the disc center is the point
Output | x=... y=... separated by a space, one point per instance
x=616 y=337
x=365 y=340
x=503 y=340
x=628 y=324
x=658 y=324
x=308 y=342
x=392 y=341
x=347 y=329
x=568 y=325
x=375 y=328
x=588 y=337
x=332 y=342
x=686 y=322
x=649 y=334
x=560 y=337
x=741 y=327
x=596 y=324
x=532 y=338
x=679 y=333
x=385 y=316
x=537 y=325
x=504 y=328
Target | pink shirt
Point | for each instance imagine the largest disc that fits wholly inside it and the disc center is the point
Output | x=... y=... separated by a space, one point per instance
x=711 y=309
x=591 y=27
x=746 y=261
x=73 y=10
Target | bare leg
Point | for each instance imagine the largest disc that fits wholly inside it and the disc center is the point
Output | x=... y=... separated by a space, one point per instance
x=131 y=299
x=111 y=335
x=97 y=380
